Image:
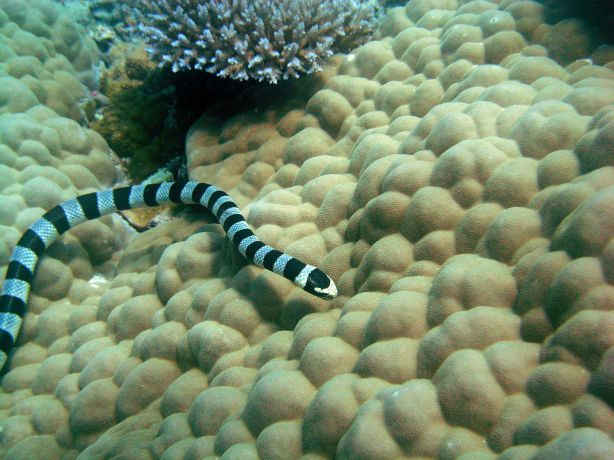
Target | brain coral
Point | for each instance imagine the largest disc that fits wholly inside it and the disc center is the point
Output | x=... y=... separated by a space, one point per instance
x=455 y=181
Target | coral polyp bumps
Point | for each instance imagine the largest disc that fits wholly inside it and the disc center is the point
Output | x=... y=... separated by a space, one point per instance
x=258 y=39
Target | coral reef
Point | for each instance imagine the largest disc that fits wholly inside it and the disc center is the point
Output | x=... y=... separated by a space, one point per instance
x=258 y=39
x=46 y=155
x=45 y=60
x=454 y=180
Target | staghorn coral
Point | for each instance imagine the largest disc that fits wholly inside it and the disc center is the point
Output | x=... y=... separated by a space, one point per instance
x=456 y=183
x=262 y=40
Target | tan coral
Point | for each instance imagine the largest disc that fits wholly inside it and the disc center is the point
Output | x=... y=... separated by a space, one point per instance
x=452 y=178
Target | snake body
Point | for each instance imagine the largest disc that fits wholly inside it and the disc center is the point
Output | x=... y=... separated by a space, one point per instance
x=42 y=233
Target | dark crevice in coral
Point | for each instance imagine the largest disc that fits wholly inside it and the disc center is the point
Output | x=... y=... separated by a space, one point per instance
x=598 y=14
x=147 y=123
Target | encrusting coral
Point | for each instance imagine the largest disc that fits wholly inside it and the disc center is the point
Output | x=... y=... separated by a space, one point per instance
x=457 y=184
x=139 y=122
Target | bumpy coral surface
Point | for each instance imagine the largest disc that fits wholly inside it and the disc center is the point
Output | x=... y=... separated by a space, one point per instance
x=258 y=39
x=454 y=180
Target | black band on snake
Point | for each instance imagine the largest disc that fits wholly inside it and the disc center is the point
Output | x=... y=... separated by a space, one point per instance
x=42 y=233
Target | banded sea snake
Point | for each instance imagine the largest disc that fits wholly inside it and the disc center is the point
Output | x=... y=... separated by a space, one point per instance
x=43 y=232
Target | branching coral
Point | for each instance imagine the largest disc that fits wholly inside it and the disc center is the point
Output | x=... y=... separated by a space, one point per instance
x=260 y=39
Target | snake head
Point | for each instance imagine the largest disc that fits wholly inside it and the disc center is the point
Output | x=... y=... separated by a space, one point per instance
x=320 y=285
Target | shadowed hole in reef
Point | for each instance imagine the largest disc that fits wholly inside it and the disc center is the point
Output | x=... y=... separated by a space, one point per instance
x=594 y=13
x=150 y=111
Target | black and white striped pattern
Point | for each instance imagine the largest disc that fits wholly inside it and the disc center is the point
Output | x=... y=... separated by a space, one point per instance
x=42 y=233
